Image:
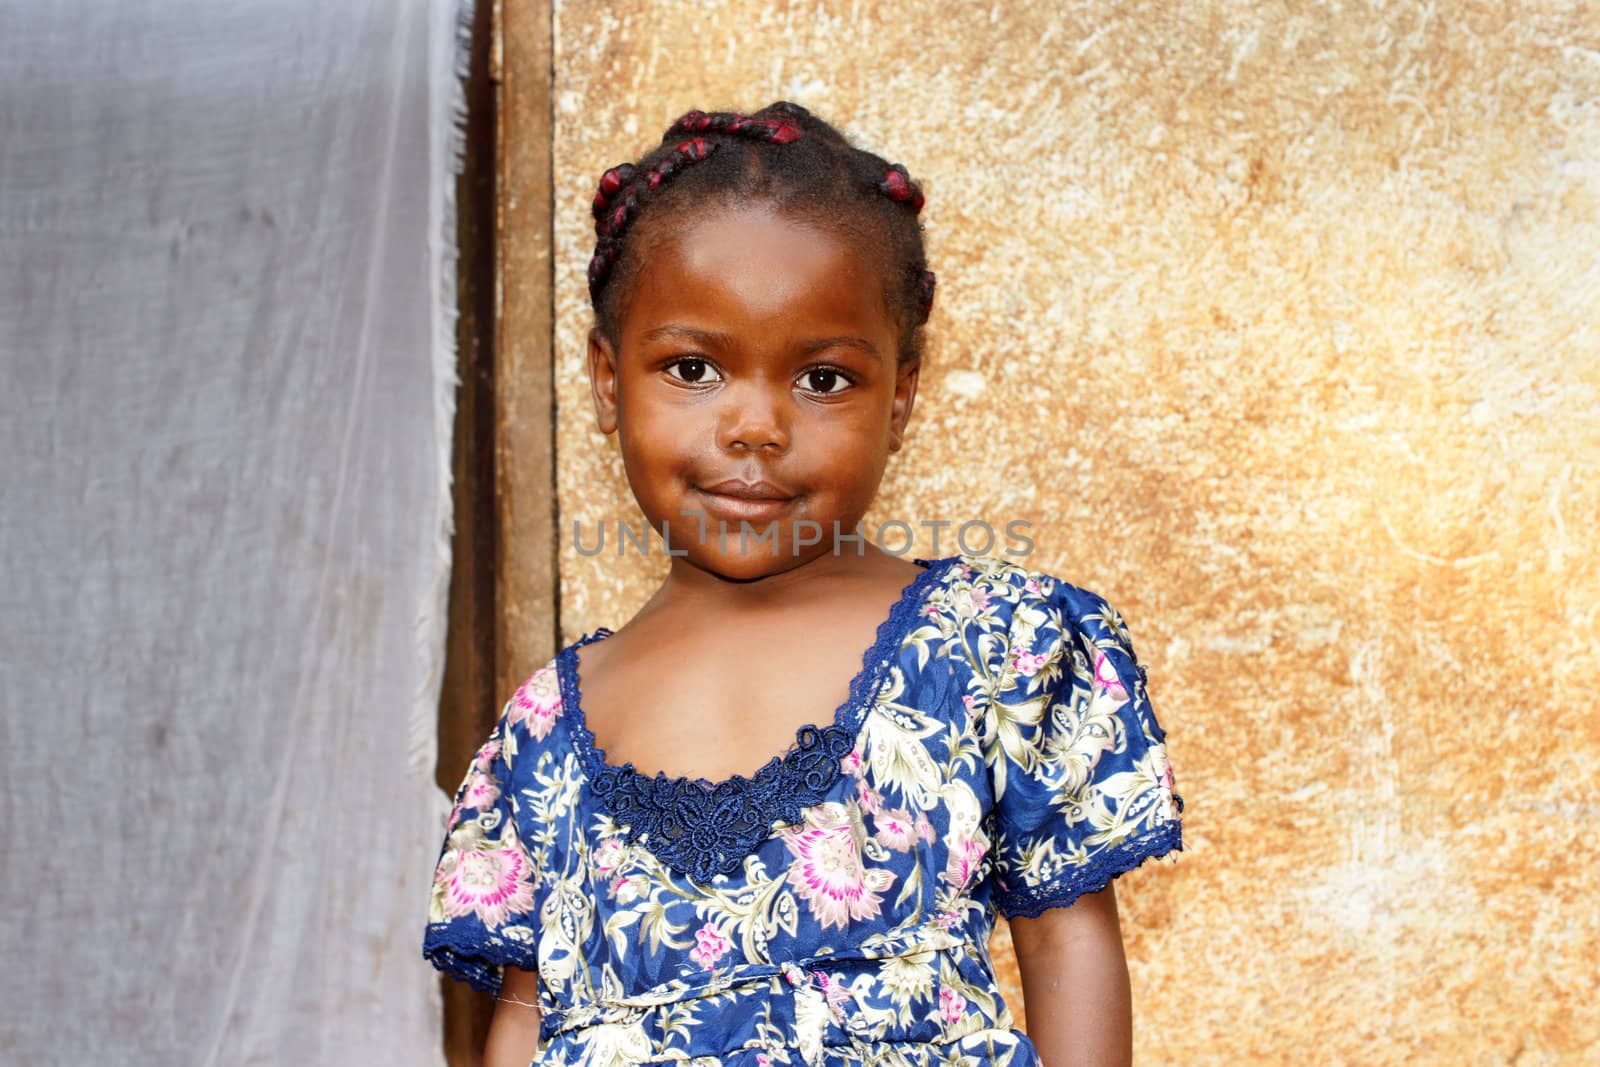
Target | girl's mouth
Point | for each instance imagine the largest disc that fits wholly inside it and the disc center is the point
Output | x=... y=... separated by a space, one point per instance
x=738 y=487
x=736 y=500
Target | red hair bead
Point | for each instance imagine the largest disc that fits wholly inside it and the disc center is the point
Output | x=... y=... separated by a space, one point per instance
x=896 y=185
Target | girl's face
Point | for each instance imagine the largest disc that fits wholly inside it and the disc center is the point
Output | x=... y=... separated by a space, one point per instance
x=755 y=380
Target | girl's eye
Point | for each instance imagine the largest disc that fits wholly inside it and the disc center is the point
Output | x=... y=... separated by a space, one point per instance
x=691 y=370
x=824 y=380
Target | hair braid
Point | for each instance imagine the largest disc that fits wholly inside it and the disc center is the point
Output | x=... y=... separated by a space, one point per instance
x=898 y=186
x=778 y=131
x=625 y=182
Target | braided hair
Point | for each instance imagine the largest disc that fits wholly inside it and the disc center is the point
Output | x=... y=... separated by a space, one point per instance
x=782 y=155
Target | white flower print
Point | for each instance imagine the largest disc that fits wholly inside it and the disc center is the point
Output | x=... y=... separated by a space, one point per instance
x=908 y=978
x=609 y=855
x=966 y=859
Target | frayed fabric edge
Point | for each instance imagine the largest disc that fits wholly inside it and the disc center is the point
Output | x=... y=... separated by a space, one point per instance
x=449 y=65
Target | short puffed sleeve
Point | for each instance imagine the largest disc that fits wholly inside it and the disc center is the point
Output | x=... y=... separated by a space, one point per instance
x=481 y=915
x=1083 y=789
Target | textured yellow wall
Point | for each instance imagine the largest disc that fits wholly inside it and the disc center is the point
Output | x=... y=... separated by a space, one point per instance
x=1280 y=322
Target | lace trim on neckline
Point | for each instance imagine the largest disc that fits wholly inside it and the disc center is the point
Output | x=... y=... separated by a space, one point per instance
x=704 y=828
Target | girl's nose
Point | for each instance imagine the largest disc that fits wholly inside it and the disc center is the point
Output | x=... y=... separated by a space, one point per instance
x=752 y=420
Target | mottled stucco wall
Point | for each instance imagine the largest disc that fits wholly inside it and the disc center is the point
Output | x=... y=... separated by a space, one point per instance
x=1280 y=323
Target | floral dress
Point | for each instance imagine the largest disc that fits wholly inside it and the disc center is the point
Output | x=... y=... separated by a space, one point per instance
x=997 y=754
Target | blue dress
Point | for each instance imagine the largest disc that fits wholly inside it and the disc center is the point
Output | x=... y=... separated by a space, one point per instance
x=997 y=754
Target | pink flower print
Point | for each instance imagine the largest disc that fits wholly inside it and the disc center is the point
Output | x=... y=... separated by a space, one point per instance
x=537 y=703
x=952 y=1006
x=1031 y=585
x=924 y=828
x=946 y=920
x=710 y=946
x=966 y=854
x=480 y=792
x=629 y=889
x=486 y=754
x=827 y=871
x=896 y=830
x=851 y=764
x=1105 y=675
x=835 y=993
x=980 y=599
x=1028 y=663
x=490 y=883
x=871 y=799
x=608 y=857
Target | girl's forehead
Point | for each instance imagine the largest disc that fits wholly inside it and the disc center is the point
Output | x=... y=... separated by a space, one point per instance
x=734 y=241
x=759 y=267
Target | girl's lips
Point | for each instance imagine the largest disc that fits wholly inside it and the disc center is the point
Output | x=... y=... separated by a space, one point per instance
x=736 y=502
x=738 y=487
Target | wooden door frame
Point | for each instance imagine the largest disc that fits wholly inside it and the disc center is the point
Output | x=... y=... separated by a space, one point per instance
x=504 y=593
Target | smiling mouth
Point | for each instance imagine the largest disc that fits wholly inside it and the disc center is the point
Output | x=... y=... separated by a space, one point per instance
x=742 y=490
x=736 y=500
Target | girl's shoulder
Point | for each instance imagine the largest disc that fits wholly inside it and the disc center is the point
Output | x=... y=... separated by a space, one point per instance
x=536 y=705
x=997 y=589
x=531 y=718
x=1015 y=618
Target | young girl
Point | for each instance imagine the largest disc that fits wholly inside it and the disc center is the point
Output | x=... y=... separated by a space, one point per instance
x=772 y=819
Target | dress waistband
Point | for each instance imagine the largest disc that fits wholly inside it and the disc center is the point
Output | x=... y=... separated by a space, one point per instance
x=808 y=1003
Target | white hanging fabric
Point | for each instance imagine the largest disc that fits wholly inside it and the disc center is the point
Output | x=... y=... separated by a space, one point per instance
x=226 y=325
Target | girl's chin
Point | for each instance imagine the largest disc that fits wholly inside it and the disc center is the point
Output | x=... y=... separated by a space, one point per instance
x=747 y=566
x=752 y=560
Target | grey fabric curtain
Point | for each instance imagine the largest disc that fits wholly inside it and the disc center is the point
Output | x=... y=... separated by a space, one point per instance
x=226 y=282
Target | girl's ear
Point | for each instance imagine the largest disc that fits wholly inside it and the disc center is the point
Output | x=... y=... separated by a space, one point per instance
x=905 y=394
x=603 y=381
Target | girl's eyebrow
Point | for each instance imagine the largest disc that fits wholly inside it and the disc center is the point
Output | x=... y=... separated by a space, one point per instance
x=713 y=339
x=822 y=344
x=710 y=338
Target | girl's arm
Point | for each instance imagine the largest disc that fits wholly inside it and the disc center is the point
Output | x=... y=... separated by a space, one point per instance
x=1075 y=983
x=514 y=1027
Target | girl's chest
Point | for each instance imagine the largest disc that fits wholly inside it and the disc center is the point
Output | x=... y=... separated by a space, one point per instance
x=895 y=773
x=680 y=718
